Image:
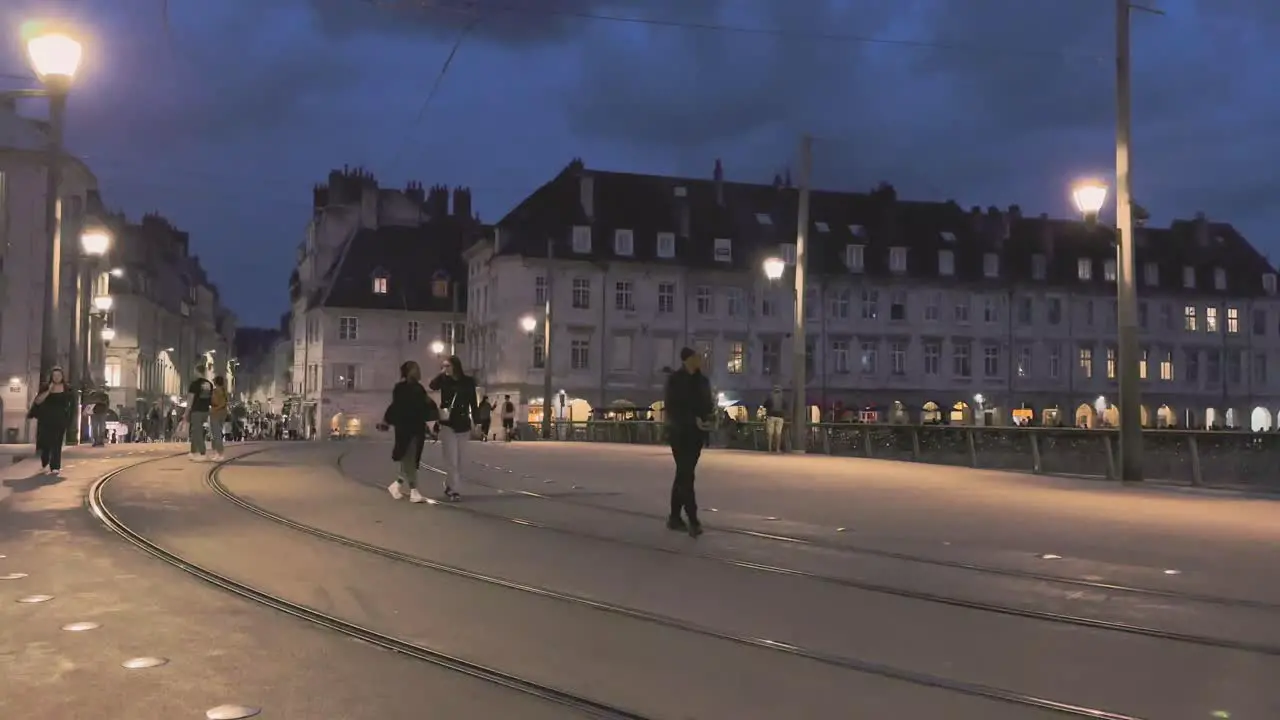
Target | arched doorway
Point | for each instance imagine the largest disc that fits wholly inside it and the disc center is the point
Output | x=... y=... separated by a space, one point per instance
x=1232 y=419
x=1144 y=416
x=961 y=414
x=1166 y=417
x=1212 y=420
x=1111 y=416
x=1086 y=417
x=930 y=414
x=898 y=413
x=1260 y=420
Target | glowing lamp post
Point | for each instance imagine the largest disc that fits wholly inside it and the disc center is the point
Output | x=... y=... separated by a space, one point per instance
x=773 y=268
x=108 y=334
x=437 y=347
x=1089 y=197
x=528 y=323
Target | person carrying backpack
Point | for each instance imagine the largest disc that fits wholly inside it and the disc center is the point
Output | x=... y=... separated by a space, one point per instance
x=199 y=402
x=218 y=415
x=508 y=417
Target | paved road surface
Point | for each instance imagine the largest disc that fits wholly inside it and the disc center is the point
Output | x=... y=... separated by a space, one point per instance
x=564 y=579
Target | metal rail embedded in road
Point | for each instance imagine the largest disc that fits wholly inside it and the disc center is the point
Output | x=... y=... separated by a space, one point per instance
x=905 y=557
x=863 y=666
x=584 y=705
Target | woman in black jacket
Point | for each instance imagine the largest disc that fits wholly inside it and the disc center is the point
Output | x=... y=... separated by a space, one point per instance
x=410 y=410
x=457 y=408
x=53 y=410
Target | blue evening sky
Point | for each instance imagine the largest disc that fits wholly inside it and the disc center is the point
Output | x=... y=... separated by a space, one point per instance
x=222 y=115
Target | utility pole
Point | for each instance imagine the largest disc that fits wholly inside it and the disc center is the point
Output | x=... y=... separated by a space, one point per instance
x=53 y=234
x=1126 y=286
x=546 y=344
x=799 y=409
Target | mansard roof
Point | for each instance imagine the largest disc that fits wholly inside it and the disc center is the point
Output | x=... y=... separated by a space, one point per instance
x=758 y=219
x=409 y=258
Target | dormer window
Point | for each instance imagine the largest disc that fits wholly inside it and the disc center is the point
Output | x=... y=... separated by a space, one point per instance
x=1039 y=267
x=582 y=238
x=1219 y=279
x=681 y=191
x=764 y=219
x=1151 y=274
x=822 y=227
x=724 y=250
x=1109 y=271
x=855 y=257
x=946 y=263
x=947 y=237
x=1269 y=283
x=666 y=245
x=623 y=242
x=858 y=231
x=897 y=259
x=440 y=287
x=380 y=282
x=1084 y=269
x=991 y=265
x=1189 y=277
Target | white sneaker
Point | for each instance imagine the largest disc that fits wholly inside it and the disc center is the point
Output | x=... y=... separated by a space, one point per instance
x=394 y=489
x=193 y=457
x=217 y=457
x=416 y=497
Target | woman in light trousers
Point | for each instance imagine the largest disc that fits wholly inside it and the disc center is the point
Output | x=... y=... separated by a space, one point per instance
x=457 y=413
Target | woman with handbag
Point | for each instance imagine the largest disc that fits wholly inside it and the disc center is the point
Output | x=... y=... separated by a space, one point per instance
x=410 y=410
x=53 y=411
x=457 y=408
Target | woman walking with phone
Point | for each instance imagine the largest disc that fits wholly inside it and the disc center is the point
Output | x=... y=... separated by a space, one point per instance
x=53 y=410
x=457 y=408
x=410 y=411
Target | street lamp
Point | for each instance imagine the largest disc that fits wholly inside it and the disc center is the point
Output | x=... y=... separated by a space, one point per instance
x=529 y=323
x=103 y=303
x=55 y=57
x=773 y=268
x=108 y=334
x=1089 y=197
x=117 y=272
x=437 y=347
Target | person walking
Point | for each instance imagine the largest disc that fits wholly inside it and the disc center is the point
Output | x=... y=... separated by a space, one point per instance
x=484 y=417
x=457 y=408
x=198 y=405
x=218 y=408
x=508 y=418
x=409 y=413
x=98 y=417
x=689 y=411
x=53 y=409
x=775 y=407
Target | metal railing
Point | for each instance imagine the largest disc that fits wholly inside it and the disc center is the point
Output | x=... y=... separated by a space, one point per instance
x=1219 y=458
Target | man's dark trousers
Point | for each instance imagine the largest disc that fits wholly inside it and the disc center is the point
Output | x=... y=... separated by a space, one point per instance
x=686 y=448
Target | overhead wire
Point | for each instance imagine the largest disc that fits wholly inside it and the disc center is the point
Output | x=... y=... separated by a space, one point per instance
x=399 y=155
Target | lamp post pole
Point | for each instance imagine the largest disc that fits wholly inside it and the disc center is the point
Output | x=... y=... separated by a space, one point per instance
x=53 y=235
x=1126 y=287
x=799 y=346
x=77 y=362
x=546 y=345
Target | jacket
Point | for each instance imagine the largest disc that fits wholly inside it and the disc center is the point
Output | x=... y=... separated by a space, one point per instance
x=410 y=410
x=687 y=399
x=776 y=405
x=458 y=397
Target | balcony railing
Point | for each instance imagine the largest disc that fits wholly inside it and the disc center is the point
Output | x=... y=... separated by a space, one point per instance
x=1214 y=458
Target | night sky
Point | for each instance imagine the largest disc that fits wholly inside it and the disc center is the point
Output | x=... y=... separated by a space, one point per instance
x=222 y=114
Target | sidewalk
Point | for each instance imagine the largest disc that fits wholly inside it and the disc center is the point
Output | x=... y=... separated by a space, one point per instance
x=20 y=466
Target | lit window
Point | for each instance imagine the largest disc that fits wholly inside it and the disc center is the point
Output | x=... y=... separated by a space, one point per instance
x=380 y=285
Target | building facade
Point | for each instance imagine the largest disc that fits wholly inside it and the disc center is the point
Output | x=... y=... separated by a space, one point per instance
x=379 y=281
x=23 y=258
x=167 y=317
x=913 y=311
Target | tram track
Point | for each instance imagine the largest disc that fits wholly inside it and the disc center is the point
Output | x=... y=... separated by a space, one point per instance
x=975 y=690
x=586 y=706
x=853 y=549
x=878 y=588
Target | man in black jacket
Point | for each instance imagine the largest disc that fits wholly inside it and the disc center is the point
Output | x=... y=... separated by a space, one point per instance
x=688 y=409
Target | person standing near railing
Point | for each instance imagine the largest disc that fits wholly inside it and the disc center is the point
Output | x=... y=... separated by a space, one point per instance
x=689 y=414
x=775 y=407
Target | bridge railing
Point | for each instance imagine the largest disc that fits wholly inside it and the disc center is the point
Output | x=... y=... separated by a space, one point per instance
x=1194 y=457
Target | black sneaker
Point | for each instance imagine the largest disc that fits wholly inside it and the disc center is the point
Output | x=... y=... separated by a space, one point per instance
x=676 y=523
x=695 y=529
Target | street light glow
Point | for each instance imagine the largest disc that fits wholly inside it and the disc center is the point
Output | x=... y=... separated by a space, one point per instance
x=437 y=347
x=774 y=267
x=117 y=272
x=1089 y=197
x=108 y=334
x=529 y=323
x=54 y=55
x=103 y=303
x=95 y=242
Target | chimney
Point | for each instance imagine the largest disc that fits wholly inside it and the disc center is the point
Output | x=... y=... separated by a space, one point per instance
x=462 y=203
x=414 y=192
x=438 y=202
x=1202 y=229
x=368 y=199
x=777 y=182
x=718 y=176
x=319 y=196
